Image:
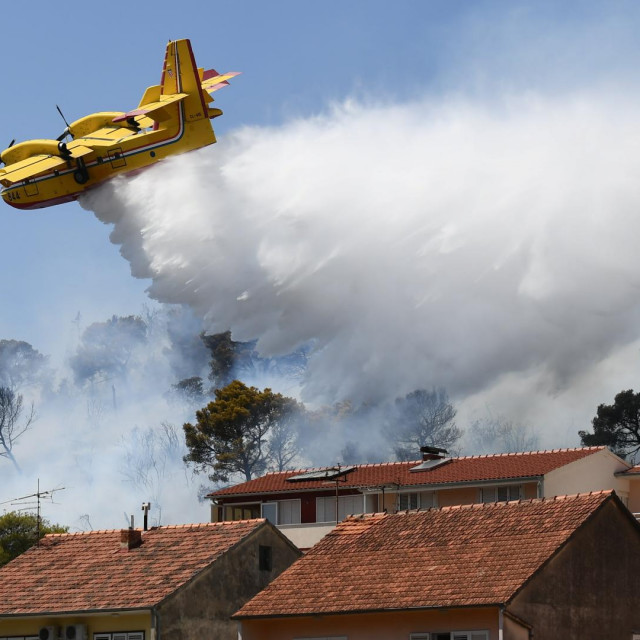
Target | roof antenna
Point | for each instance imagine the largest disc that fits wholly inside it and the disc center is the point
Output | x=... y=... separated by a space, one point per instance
x=27 y=504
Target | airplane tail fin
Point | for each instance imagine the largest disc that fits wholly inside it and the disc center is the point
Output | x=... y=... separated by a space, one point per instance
x=180 y=75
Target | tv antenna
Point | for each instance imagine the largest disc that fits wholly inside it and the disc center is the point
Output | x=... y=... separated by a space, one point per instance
x=26 y=503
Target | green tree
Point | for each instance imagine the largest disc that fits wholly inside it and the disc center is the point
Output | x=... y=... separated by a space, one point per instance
x=19 y=532
x=616 y=425
x=231 y=433
x=421 y=418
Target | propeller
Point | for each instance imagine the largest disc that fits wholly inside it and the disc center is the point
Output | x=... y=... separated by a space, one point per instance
x=9 y=147
x=67 y=131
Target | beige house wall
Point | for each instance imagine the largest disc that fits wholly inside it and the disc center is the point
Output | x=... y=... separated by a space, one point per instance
x=373 y=626
x=96 y=623
x=591 y=473
x=450 y=497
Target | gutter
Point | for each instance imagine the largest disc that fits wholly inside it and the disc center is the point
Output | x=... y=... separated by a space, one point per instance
x=370 y=488
x=322 y=614
x=74 y=612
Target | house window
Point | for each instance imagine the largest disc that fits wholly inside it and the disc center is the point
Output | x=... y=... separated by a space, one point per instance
x=282 y=511
x=120 y=635
x=326 y=507
x=265 y=562
x=419 y=500
x=289 y=512
x=504 y=493
x=270 y=511
x=407 y=501
x=241 y=511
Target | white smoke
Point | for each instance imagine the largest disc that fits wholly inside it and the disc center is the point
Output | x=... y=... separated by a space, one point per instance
x=412 y=245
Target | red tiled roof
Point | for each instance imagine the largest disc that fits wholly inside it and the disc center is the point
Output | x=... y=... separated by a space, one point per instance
x=90 y=571
x=450 y=557
x=467 y=469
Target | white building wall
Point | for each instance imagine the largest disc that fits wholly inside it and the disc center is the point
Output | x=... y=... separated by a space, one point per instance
x=591 y=473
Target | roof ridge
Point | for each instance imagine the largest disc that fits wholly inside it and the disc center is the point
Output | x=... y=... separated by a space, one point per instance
x=529 y=453
x=511 y=503
x=471 y=457
x=204 y=525
x=165 y=527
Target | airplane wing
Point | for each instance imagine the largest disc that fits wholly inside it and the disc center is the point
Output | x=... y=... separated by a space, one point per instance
x=153 y=110
x=41 y=163
x=30 y=167
x=212 y=80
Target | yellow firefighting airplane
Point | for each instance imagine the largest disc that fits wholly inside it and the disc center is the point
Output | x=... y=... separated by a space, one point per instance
x=173 y=117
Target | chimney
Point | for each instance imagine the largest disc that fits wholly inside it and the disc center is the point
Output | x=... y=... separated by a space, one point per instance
x=433 y=453
x=130 y=539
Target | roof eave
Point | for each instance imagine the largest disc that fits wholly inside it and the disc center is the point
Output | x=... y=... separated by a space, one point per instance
x=320 y=614
x=77 y=612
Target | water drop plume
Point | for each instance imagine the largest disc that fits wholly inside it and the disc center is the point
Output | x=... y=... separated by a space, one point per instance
x=431 y=243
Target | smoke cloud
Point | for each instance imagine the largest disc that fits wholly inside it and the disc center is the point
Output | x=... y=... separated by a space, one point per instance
x=488 y=249
x=447 y=243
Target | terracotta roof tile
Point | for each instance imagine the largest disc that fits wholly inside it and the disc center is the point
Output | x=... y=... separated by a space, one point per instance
x=90 y=571
x=454 y=556
x=465 y=469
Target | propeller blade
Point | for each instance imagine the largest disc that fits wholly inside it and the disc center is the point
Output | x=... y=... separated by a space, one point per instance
x=67 y=131
x=62 y=115
x=11 y=143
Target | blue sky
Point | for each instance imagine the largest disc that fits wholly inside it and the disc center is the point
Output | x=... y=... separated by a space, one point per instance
x=296 y=57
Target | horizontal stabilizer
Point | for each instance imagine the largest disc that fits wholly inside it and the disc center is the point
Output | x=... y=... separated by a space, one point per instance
x=153 y=110
x=212 y=80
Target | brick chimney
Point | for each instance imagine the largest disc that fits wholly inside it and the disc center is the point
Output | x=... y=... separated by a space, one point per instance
x=130 y=539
